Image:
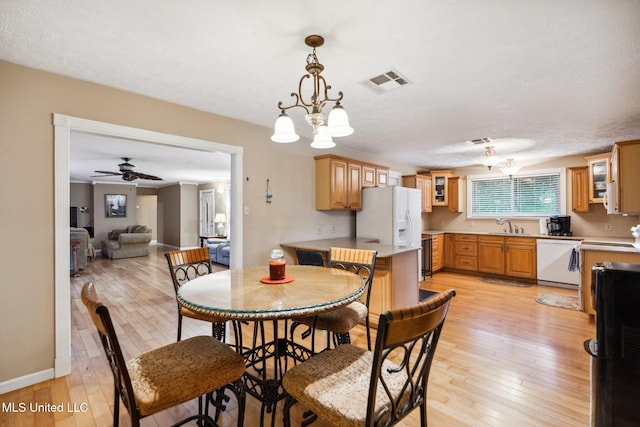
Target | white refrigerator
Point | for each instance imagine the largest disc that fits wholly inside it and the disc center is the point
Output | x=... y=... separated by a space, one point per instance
x=391 y=215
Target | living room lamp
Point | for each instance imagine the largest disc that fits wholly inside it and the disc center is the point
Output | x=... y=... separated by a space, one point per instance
x=220 y=219
x=337 y=124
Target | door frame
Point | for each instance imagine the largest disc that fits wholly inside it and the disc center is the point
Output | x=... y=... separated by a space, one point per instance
x=63 y=126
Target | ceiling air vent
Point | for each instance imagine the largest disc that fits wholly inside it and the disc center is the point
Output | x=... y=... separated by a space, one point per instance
x=480 y=141
x=387 y=81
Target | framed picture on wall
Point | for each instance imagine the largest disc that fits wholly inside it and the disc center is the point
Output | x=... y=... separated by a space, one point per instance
x=115 y=205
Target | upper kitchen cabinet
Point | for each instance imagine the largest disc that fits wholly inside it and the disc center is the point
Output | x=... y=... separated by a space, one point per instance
x=579 y=188
x=374 y=175
x=599 y=175
x=625 y=174
x=455 y=193
x=440 y=186
x=339 y=181
x=368 y=176
x=382 y=177
x=422 y=183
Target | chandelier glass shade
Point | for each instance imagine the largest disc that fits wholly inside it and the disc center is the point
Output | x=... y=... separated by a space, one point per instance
x=335 y=125
x=511 y=168
x=490 y=159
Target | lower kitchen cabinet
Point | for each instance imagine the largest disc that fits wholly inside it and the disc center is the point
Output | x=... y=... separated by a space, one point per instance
x=437 y=252
x=495 y=255
x=590 y=257
x=520 y=257
x=491 y=254
x=466 y=252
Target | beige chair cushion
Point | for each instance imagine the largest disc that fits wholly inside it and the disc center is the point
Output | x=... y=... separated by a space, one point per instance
x=338 y=321
x=335 y=384
x=182 y=371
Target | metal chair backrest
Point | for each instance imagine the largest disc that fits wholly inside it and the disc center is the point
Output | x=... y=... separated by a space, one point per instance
x=102 y=320
x=309 y=258
x=188 y=264
x=411 y=333
x=360 y=261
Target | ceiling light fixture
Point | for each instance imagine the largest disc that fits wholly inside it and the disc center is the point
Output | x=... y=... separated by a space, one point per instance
x=511 y=168
x=336 y=125
x=490 y=159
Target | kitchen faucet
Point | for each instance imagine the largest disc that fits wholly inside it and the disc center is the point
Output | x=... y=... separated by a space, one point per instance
x=501 y=221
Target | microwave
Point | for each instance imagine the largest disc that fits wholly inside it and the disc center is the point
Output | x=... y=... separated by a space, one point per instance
x=610 y=199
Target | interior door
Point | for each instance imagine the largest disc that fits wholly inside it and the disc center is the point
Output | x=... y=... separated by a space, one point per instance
x=207 y=213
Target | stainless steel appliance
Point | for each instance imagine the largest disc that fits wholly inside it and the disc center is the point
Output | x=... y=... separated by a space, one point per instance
x=558 y=225
x=615 y=352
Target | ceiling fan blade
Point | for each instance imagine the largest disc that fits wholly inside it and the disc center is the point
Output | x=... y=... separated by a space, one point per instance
x=145 y=176
x=107 y=173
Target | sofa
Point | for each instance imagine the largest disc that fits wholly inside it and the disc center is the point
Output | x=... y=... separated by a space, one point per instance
x=84 y=249
x=219 y=250
x=129 y=242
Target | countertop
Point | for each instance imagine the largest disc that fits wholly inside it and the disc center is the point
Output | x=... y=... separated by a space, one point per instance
x=611 y=244
x=324 y=245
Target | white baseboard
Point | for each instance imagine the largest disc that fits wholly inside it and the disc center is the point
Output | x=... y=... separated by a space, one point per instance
x=26 y=380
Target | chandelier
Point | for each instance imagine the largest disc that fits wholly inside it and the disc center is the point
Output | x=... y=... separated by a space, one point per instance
x=490 y=159
x=324 y=128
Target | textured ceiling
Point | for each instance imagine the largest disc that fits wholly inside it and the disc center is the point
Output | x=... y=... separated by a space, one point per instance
x=541 y=78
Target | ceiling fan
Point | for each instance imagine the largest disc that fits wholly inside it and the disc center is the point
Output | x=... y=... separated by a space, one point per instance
x=127 y=172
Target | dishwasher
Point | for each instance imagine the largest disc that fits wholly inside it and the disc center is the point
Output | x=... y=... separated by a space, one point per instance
x=553 y=256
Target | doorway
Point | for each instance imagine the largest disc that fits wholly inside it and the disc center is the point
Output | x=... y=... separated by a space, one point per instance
x=63 y=126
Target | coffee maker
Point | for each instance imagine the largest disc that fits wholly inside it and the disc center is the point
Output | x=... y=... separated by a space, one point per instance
x=559 y=225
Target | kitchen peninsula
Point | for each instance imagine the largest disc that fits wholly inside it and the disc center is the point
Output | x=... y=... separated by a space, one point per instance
x=395 y=279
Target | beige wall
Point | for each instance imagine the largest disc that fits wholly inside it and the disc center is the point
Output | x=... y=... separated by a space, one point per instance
x=147 y=213
x=169 y=216
x=103 y=224
x=189 y=200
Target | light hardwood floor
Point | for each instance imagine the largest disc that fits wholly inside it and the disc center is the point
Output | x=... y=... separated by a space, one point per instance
x=502 y=360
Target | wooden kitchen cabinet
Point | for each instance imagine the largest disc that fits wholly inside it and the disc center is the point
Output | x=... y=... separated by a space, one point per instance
x=625 y=173
x=520 y=257
x=579 y=188
x=455 y=194
x=382 y=177
x=422 y=183
x=368 y=176
x=491 y=257
x=599 y=175
x=507 y=256
x=466 y=252
x=439 y=182
x=588 y=259
x=449 y=250
x=437 y=248
x=338 y=183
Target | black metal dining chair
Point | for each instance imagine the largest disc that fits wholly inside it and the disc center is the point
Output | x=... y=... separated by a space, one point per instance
x=351 y=386
x=198 y=367
x=309 y=258
x=340 y=321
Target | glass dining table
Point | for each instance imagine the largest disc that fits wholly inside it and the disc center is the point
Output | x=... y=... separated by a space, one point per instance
x=241 y=295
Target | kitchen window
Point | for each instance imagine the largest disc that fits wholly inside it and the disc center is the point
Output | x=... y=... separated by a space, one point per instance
x=527 y=195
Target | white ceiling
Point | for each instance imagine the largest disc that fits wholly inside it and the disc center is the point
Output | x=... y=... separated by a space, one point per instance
x=90 y=153
x=542 y=78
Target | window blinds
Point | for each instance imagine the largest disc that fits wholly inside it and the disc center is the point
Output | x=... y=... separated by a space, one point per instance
x=525 y=195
